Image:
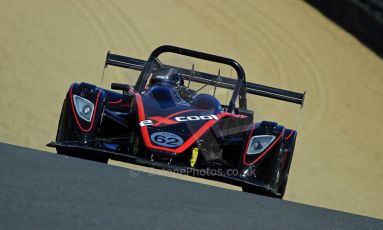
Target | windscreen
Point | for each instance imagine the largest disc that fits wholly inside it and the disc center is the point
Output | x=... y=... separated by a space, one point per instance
x=192 y=71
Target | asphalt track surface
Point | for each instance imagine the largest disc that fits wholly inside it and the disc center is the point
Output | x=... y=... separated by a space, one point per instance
x=40 y=190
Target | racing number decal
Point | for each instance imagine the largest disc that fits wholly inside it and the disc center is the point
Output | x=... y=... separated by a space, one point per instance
x=166 y=139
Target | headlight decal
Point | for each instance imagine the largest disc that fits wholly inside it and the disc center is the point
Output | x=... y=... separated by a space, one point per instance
x=84 y=108
x=259 y=143
x=74 y=110
x=265 y=151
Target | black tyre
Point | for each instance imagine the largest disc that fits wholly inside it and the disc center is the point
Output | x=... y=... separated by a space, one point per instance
x=259 y=191
x=102 y=158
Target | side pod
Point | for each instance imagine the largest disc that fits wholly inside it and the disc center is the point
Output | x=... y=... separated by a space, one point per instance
x=81 y=114
x=270 y=165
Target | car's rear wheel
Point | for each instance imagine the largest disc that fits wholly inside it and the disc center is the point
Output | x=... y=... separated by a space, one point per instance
x=258 y=191
x=282 y=188
x=84 y=155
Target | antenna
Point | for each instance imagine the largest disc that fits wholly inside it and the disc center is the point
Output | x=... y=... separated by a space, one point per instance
x=227 y=95
x=191 y=73
x=103 y=72
x=218 y=78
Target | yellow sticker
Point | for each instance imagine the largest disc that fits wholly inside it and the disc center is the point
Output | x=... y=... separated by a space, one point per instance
x=194 y=156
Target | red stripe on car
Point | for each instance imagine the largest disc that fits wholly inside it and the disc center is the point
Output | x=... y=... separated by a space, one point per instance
x=265 y=152
x=115 y=102
x=290 y=135
x=186 y=144
x=75 y=113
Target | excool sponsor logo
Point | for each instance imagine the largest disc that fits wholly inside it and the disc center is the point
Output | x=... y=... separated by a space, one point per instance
x=156 y=121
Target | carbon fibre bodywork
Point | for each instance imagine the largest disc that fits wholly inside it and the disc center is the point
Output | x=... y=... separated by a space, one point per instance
x=199 y=137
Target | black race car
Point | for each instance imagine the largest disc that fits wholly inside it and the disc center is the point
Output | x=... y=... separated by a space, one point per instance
x=163 y=122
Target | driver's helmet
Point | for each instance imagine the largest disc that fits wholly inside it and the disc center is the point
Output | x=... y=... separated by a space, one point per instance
x=166 y=76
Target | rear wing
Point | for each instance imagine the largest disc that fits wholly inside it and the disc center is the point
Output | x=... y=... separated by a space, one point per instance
x=210 y=79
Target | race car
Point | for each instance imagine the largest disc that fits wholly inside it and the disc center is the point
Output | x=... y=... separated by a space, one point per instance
x=161 y=121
